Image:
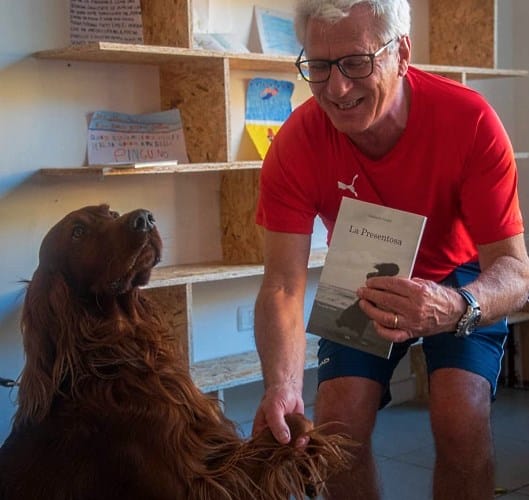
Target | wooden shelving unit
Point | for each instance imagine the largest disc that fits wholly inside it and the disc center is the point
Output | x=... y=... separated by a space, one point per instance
x=174 y=285
x=144 y=54
x=463 y=47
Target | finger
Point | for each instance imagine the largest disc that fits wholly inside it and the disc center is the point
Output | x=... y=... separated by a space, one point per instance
x=395 y=321
x=394 y=284
x=277 y=426
x=393 y=335
x=280 y=429
x=302 y=441
x=259 y=424
x=375 y=313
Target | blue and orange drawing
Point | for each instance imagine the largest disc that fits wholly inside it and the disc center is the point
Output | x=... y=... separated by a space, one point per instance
x=267 y=107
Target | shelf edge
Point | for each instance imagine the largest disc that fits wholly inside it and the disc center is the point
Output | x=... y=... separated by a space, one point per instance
x=225 y=372
x=182 y=168
x=201 y=273
x=152 y=54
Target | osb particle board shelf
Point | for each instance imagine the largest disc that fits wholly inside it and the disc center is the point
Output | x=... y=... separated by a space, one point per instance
x=238 y=369
x=200 y=273
x=177 y=168
x=151 y=54
x=472 y=72
x=519 y=317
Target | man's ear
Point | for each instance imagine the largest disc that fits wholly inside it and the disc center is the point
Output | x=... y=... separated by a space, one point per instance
x=404 y=54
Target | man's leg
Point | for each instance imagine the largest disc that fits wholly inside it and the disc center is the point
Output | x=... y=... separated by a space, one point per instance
x=351 y=404
x=460 y=416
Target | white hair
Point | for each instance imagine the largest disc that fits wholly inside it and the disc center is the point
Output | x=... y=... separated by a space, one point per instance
x=393 y=15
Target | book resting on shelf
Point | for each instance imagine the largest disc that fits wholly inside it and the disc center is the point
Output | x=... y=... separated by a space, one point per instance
x=368 y=240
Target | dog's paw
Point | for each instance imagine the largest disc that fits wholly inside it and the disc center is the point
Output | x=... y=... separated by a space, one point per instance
x=299 y=426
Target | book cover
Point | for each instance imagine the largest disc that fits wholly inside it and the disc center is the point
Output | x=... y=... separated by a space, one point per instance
x=368 y=240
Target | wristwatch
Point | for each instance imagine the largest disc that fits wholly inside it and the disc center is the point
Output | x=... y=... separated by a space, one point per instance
x=471 y=317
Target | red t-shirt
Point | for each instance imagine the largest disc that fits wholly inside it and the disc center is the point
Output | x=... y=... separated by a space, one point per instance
x=454 y=163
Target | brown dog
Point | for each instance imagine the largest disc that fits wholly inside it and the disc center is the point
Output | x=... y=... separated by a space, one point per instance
x=107 y=408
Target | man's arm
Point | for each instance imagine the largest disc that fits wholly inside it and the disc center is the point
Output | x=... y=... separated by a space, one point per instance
x=503 y=287
x=280 y=330
x=426 y=308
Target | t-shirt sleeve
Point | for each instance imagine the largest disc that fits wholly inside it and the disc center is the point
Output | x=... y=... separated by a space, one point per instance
x=287 y=194
x=490 y=204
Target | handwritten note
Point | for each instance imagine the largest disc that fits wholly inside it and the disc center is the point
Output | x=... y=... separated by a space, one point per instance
x=119 y=138
x=105 y=20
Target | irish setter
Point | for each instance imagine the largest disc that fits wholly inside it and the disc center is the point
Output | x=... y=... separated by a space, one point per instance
x=107 y=408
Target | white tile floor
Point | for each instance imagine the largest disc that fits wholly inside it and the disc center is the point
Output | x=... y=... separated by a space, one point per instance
x=403 y=446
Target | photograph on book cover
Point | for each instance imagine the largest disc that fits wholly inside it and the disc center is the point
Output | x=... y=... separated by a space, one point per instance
x=368 y=240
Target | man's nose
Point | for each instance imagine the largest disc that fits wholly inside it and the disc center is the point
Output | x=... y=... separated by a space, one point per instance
x=338 y=83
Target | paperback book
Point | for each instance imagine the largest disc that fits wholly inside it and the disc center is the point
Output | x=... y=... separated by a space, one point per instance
x=368 y=240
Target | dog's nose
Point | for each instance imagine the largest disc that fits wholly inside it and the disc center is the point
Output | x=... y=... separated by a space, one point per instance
x=141 y=220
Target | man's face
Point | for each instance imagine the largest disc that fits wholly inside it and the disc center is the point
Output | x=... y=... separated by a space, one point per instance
x=354 y=106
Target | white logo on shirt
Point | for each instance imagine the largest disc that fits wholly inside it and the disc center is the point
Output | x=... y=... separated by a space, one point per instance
x=349 y=187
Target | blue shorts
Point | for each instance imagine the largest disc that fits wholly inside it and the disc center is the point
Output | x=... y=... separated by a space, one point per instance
x=481 y=352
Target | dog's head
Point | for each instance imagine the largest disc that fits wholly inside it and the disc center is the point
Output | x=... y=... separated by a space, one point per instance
x=99 y=252
x=384 y=269
x=83 y=299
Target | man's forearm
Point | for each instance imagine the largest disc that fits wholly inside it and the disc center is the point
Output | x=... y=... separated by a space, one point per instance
x=502 y=288
x=280 y=337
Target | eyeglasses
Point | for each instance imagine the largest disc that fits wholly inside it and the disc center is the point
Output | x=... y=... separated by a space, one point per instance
x=353 y=66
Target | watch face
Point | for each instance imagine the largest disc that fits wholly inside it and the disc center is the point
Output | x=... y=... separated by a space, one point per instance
x=474 y=319
x=468 y=322
x=471 y=317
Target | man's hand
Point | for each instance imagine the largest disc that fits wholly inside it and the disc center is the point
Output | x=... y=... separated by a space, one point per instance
x=404 y=308
x=277 y=402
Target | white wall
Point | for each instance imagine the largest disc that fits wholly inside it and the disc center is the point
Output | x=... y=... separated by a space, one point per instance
x=521 y=99
x=43 y=124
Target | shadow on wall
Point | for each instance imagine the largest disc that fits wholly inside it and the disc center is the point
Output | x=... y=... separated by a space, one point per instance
x=523 y=187
x=12 y=358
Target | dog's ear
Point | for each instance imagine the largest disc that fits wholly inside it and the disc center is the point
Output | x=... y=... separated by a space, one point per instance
x=48 y=316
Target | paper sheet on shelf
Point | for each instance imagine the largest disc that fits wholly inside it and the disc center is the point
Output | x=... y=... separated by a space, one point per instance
x=276 y=32
x=118 y=138
x=212 y=17
x=106 y=20
x=267 y=107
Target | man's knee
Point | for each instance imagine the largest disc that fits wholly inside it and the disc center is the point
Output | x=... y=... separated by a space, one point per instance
x=460 y=413
x=348 y=404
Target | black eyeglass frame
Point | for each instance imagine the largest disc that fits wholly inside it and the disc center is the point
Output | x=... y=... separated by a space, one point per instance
x=372 y=56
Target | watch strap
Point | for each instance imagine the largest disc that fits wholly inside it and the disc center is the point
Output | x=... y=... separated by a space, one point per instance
x=471 y=316
x=469 y=298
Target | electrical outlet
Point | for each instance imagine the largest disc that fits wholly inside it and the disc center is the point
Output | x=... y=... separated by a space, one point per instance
x=244 y=318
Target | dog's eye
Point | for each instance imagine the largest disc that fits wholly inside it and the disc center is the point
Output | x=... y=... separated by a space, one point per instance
x=114 y=214
x=78 y=231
